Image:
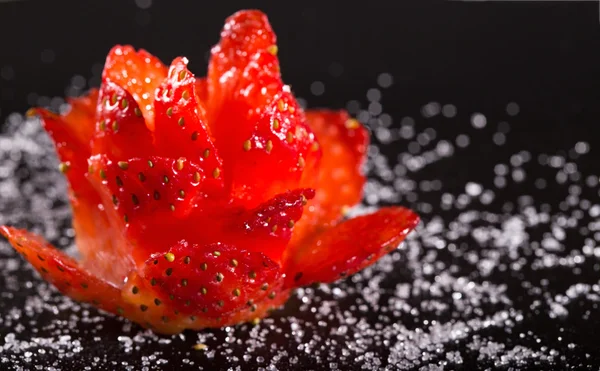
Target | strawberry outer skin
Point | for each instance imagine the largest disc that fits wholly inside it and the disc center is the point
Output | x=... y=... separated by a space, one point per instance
x=137 y=304
x=213 y=280
x=145 y=197
x=162 y=318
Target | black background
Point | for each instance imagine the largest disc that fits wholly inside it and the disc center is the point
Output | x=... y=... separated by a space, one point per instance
x=473 y=52
x=476 y=55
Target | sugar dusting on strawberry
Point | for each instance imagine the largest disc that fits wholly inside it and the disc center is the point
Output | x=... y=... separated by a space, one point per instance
x=202 y=202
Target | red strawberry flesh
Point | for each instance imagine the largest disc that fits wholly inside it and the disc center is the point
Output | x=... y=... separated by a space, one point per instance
x=349 y=247
x=120 y=123
x=138 y=72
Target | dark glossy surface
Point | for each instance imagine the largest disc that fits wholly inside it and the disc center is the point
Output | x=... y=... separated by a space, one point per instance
x=486 y=282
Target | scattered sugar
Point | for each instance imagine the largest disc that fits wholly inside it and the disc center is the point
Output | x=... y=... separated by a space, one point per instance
x=504 y=253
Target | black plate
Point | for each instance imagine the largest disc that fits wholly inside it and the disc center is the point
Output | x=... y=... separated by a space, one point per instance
x=486 y=128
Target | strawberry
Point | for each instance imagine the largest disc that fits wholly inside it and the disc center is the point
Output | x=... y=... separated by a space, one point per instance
x=259 y=83
x=82 y=109
x=349 y=247
x=271 y=138
x=64 y=272
x=268 y=228
x=203 y=202
x=202 y=91
x=70 y=138
x=244 y=34
x=278 y=150
x=92 y=227
x=145 y=193
x=215 y=280
x=142 y=186
x=161 y=316
x=120 y=122
x=180 y=118
x=343 y=142
x=140 y=73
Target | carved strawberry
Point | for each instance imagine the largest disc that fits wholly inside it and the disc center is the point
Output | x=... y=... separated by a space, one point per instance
x=201 y=202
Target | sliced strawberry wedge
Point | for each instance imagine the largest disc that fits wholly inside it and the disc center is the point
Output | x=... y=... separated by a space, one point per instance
x=64 y=272
x=277 y=152
x=82 y=110
x=349 y=246
x=202 y=91
x=258 y=84
x=76 y=126
x=95 y=239
x=244 y=34
x=150 y=195
x=214 y=280
x=340 y=180
x=257 y=123
x=143 y=187
x=119 y=124
x=268 y=228
x=138 y=72
x=72 y=133
x=71 y=151
x=180 y=128
x=251 y=95
x=344 y=144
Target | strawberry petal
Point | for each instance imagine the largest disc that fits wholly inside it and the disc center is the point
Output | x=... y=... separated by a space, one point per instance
x=64 y=272
x=70 y=149
x=71 y=145
x=120 y=123
x=258 y=84
x=202 y=91
x=244 y=34
x=268 y=228
x=339 y=180
x=277 y=152
x=148 y=196
x=213 y=280
x=151 y=185
x=270 y=139
x=82 y=112
x=349 y=246
x=72 y=131
x=251 y=95
x=105 y=252
x=161 y=316
x=96 y=242
x=140 y=73
x=180 y=119
x=344 y=144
